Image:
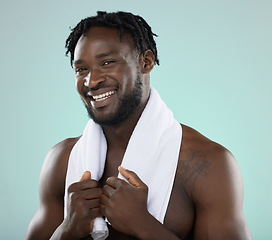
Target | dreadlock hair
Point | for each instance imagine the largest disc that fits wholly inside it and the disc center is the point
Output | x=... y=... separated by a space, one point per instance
x=127 y=23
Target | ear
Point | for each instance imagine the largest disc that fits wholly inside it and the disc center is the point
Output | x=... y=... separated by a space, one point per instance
x=147 y=61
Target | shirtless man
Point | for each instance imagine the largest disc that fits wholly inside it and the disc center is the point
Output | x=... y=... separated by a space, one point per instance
x=118 y=51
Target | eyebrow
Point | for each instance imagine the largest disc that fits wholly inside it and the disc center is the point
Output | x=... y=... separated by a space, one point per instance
x=100 y=55
x=78 y=62
x=106 y=54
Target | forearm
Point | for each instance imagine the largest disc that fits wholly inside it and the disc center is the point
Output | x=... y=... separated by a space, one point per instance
x=62 y=233
x=154 y=230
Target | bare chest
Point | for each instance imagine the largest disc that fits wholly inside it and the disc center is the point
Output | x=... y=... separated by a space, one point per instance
x=113 y=161
x=180 y=214
x=179 y=218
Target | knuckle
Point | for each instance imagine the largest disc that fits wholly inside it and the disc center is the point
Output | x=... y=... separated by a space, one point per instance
x=108 y=191
x=95 y=203
x=109 y=179
x=145 y=188
x=93 y=183
x=121 y=185
x=99 y=191
x=110 y=204
x=113 y=194
x=94 y=193
x=71 y=188
x=107 y=212
x=134 y=175
x=122 y=188
x=105 y=188
x=74 y=196
x=103 y=199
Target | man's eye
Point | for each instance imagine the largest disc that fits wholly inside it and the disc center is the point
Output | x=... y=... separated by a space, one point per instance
x=105 y=63
x=80 y=69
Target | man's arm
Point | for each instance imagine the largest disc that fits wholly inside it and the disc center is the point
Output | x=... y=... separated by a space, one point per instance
x=218 y=198
x=51 y=190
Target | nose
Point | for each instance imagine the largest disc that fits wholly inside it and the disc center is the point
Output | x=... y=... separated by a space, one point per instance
x=93 y=79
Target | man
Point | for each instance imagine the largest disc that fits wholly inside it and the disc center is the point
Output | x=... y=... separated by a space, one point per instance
x=112 y=55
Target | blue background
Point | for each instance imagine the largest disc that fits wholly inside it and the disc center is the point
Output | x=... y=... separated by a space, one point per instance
x=215 y=75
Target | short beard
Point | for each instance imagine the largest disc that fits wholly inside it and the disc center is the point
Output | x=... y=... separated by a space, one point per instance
x=127 y=105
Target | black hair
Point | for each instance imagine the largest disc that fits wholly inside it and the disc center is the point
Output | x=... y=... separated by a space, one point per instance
x=127 y=23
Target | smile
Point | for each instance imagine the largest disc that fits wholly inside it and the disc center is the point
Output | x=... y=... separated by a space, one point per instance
x=102 y=96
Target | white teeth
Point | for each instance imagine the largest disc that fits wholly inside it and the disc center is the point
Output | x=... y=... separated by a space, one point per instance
x=102 y=96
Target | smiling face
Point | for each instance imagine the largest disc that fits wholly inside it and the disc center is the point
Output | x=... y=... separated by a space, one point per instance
x=109 y=76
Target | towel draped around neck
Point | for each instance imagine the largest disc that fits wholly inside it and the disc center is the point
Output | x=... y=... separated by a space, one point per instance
x=152 y=153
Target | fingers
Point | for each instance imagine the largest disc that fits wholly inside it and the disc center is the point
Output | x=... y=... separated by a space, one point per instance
x=114 y=185
x=94 y=193
x=113 y=182
x=108 y=190
x=93 y=203
x=85 y=189
x=83 y=204
x=86 y=195
x=86 y=201
x=80 y=186
x=104 y=199
x=132 y=177
x=86 y=176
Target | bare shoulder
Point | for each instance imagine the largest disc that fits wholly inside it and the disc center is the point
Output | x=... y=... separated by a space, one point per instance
x=55 y=166
x=51 y=190
x=211 y=177
x=202 y=159
x=193 y=139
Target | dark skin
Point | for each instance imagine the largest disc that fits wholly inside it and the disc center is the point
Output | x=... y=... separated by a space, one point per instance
x=207 y=195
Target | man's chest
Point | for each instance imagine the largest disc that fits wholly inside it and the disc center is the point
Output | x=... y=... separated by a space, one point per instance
x=180 y=214
x=179 y=219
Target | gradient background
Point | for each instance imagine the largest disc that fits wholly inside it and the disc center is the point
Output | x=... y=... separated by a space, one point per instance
x=215 y=75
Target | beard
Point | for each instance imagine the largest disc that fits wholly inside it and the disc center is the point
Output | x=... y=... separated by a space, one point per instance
x=126 y=106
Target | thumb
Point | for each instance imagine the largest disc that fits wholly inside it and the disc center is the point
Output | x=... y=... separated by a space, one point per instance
x=86 y=176
x=132 y=178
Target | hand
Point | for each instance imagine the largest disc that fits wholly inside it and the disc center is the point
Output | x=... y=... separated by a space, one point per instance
x=83 y=206
x=125 y=204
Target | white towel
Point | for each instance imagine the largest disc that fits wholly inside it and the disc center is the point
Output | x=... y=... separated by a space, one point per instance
x=152 y=153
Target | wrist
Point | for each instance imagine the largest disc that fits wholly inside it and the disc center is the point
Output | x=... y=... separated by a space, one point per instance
x=63 y=232
x=149 y=226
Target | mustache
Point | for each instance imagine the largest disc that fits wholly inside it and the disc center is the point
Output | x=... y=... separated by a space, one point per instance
x=99 y=86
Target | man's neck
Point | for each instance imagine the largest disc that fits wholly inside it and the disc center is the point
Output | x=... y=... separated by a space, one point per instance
x=118 y=135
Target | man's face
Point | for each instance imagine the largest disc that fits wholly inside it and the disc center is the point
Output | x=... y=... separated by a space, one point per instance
x=107 y=75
